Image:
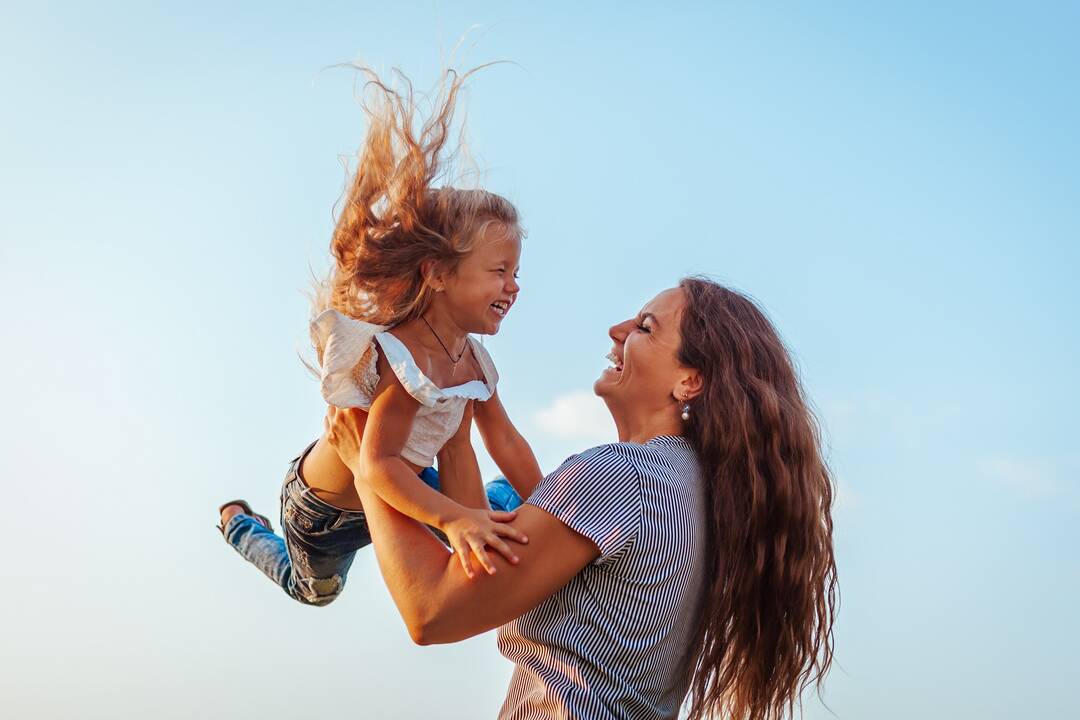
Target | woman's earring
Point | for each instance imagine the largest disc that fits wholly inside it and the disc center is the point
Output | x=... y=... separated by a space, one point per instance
x=685 y=410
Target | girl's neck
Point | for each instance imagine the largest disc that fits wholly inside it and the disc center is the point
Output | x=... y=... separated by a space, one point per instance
x=442 y=333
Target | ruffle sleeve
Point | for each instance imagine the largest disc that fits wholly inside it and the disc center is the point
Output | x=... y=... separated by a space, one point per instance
x=349 y=371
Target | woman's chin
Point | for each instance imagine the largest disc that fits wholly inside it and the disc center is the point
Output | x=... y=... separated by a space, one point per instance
x=607 y=381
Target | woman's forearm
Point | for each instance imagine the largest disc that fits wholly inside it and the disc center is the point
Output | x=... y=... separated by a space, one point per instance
x=438 y=603
x=436 y=597
x=414 y=564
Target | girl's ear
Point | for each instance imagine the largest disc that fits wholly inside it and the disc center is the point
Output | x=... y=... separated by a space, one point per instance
x=432 y=275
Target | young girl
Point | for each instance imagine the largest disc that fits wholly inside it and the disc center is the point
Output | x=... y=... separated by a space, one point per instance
x=418 y=269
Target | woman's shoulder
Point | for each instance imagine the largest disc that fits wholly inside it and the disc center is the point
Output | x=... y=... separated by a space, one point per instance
x=629 y=450
x=657 y=456
x=604 y=459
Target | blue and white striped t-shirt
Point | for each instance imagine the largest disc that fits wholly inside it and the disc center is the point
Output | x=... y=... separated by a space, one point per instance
x=609 y=643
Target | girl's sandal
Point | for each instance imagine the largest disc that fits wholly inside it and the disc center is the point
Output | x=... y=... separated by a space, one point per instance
x=261 y=519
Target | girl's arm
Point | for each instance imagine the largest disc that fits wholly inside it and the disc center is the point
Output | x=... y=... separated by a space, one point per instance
x=385 y=429
x=459 y=472
x=506 y=446
x=437 y=601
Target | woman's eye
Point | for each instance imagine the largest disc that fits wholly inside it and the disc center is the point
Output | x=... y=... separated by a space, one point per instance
x=642 y=327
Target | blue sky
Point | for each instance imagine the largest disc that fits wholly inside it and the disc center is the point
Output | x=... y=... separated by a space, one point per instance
x=898 y=186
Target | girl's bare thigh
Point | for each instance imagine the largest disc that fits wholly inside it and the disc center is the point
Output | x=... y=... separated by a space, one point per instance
x=329 y=478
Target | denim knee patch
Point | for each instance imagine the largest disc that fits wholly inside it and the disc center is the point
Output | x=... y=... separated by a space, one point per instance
x=318 y=591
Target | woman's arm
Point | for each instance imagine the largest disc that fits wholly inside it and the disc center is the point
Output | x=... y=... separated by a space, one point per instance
x=507 y=447
x=435 y=598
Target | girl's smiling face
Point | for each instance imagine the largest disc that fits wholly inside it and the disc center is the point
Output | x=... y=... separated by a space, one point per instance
x=645 y=373
x=483 y=287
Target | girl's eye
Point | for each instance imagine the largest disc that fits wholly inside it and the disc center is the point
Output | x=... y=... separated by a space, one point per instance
x=517 y=276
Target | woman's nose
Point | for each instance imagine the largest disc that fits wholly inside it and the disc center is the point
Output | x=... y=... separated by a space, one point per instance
x=619 y=331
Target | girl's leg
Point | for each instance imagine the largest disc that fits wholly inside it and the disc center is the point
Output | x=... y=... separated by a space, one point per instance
x=329 y=478
x=502 y=495
x=319 y=542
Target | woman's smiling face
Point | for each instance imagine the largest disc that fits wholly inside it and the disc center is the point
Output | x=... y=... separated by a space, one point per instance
x=645 y=371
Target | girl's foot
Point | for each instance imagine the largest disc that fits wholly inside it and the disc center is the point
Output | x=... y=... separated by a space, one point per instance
x=238 y=507
x=229 y=512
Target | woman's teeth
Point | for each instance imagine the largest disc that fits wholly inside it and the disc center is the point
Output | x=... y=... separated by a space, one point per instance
x=614 y=361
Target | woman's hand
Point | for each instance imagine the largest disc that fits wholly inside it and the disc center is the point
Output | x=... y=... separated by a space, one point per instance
x=344 y=428
x=473 y=531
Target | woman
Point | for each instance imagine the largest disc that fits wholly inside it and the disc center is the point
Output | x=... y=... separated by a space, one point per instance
x=694 y=555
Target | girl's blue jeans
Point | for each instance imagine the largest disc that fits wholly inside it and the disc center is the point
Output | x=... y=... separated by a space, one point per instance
x=312 y=556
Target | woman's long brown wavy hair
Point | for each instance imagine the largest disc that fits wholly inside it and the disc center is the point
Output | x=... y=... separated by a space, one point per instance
x=766 y=626
x=393 y=218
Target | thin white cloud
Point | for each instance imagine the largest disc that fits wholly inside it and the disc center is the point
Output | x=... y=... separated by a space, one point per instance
x=1031 y=477
x=580 y=416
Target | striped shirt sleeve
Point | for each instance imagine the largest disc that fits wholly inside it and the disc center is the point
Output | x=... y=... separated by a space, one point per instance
x=596 y=494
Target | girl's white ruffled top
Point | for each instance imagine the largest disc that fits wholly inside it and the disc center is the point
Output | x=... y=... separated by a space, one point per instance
x=349 y=375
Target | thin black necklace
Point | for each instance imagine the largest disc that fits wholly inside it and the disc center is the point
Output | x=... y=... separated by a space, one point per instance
x=454 y=361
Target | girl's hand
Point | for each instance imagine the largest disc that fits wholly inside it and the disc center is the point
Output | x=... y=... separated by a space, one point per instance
x=343 y=428
x=472 y=530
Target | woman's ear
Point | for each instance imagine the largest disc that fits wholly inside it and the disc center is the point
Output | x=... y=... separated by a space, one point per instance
x=690 y=386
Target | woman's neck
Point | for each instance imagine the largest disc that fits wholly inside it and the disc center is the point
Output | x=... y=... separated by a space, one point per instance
x=642 y=426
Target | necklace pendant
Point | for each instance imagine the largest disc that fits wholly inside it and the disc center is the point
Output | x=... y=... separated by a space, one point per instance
x=453 y=361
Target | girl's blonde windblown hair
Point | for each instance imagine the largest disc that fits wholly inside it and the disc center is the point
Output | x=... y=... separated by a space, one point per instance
x=392 y=219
